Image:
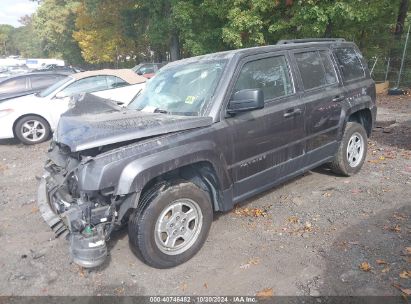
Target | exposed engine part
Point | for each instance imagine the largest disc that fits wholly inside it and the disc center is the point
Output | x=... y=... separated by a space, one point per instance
x=88 y=250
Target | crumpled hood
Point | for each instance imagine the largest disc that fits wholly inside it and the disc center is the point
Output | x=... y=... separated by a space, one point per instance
x=81 y=129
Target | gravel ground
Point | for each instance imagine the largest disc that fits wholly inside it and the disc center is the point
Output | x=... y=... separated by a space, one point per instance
x=307 y=237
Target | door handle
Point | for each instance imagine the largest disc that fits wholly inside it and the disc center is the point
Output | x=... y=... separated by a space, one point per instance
x=338 y=98
x=292 y=112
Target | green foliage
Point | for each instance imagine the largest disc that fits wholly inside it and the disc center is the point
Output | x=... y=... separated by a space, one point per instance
x=108 y=32
x=54 y=24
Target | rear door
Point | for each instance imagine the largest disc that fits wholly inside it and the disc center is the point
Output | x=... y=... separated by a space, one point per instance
x=322 y=95
x=267 y=142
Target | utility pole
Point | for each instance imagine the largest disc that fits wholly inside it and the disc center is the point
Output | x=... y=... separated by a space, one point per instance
x=403 y=56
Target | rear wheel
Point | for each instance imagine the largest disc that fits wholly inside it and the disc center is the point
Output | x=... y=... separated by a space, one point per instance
x=172 y=225
x=32 y=130
x=352 y=151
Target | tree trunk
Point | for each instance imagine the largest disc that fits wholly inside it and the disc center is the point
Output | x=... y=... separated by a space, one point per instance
x=328 y=29
x=174 y=47
x=402 y=15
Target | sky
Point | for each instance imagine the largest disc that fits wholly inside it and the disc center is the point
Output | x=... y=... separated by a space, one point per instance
x=12 y=10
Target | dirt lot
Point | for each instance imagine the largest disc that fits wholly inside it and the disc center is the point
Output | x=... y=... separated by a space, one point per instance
x=307 y=237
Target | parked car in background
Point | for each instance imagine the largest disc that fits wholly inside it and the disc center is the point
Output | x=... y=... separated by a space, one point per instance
x=148 y=69
x=59 y=68
x=32 y=118
x=25 y=84
x=13 y=70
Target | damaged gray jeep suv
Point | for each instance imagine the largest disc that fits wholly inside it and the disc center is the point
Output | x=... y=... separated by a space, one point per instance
x=205 y=134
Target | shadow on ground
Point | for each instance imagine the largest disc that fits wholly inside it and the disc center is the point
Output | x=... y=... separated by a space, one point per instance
x=398 y=135
x=380 y=240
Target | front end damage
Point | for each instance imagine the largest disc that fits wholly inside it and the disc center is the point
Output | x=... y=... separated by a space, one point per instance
x=85 y=218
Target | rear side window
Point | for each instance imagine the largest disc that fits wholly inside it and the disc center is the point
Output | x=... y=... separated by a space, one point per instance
x=330 y=76
x=272 y=75
x=115 y=82
x=350 y=63
x=13 y=85
x=42 y=81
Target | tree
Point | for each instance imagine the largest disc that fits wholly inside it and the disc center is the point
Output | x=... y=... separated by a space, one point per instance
x=5 y=39
x=100 y=33
x=54 y=23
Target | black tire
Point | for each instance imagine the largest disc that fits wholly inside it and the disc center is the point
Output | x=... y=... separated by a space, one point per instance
x=341 y=164
x=40 y=134
x=143 y=235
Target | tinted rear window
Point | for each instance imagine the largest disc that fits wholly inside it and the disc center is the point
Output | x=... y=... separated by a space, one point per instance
x=311 y=69
x=350 y=63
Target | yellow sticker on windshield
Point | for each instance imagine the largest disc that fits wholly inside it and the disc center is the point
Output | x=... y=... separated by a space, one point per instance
x=190 y=99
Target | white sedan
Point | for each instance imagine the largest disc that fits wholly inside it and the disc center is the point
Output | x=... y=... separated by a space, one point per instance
x=32 y=118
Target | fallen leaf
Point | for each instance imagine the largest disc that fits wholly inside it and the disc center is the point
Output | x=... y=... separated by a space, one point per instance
x=183 y=286
x=407 y=291
x=374 y=161
x=293 y=219
x=254 y=261
x=205 y=285
x=364 y=266
x=396 y=228
x=266 y=292
x=406 y=274
x=119 y=290
x=380 y=262
x=408 y=250
x=386 y=269
x=253 y=212
x=244 y=266
x=400 y=216
x=308 y=226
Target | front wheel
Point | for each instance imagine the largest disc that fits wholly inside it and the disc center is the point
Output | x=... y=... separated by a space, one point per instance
x=173 y=224
x=32 y=130
x=352 y=150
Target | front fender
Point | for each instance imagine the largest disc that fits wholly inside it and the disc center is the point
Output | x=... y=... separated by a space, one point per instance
x=140 y=171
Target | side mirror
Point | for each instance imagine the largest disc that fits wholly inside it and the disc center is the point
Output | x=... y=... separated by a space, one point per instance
x=139 y=73
x=60 y=95
x=246 y=100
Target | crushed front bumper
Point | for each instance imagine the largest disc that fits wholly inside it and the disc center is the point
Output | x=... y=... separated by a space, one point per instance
x=87 y=251
x=50 y=217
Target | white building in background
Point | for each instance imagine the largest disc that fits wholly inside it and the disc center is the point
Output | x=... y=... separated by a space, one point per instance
x=32 y=63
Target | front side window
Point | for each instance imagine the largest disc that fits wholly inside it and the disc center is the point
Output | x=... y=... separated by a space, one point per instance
x=271 y=75
x=42 y=81
x=182 y=90
x=86 y=85
x=350 y=63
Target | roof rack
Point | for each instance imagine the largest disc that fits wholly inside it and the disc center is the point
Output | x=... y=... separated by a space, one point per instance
x=311 y=40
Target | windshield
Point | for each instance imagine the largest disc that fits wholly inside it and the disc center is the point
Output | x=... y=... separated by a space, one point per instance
x=54 y=87
x=135 y=69
x=180 y=90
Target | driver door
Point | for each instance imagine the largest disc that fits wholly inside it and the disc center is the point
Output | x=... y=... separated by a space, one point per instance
x=267 y=143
